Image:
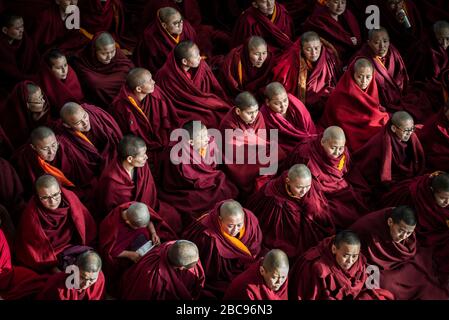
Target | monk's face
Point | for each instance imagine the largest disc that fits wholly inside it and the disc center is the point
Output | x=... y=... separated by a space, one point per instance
x=265 y=6
x=442 y=36
x=248 y=115
x=36 y=102
x=276 y=278
x=63 y=4
x=346 y=255
x=15 y=31
x=336 y=7
x=106 y=53
x=400 y=231
x=333 y=148
x=404 y=130
x=279 y=103
x=148 y=84
x=441 y=198
x=193 y=58
x=60 y=68
x=174 y=24
x=396 y=5
x=312 y=50
x=50 y=197
x=258 y=55
x=299 y=186
x=87 y=279
x=363 y=77
x=380 y=43
x=200 y=139
x=232 y=224
x=79 y=121
x=46 y=148
x=140 y=159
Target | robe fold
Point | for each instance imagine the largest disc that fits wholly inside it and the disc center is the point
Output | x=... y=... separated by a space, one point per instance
x=11 y=190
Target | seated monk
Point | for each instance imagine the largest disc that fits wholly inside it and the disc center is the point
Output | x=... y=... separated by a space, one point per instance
x=90 y=284
x=102 y=69
x=293 y=213
x=160 y=37
x=11 y=190
x=247 y=67
x=354 y=105
x=309 y=70
x=59 y=81
x=393 y=154
x=264 y=280
x=287 y=114
x=144 y=110
x=229 y=239
x=25 y=109
x=338 y=25
x=171 y=271
x=54 y=223
x=333 y=270
x=188 y=171
x=389 y=243
x=190 y=84
x=267 y=19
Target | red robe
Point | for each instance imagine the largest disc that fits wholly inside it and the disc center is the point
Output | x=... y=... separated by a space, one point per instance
x=153 y=278
x=277 y=30
x=405 y=269
x=11 y=190
x=5 y=145
x=56 y=289
x=357 y=112
x=250 y=285
x=197 y=95
x=223 y=260
x=43 y=233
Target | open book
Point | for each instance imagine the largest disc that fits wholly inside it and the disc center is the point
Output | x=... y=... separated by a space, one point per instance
x=146 y=247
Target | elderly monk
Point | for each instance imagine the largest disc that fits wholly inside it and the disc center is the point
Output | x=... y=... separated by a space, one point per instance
x=267 y=19
x=171 y=271
x=192 y=87
x=160 y=38
x=102 y=69
x=53 y=223
x=309 y=70
x=264 y=280
x=247 y=67
x=354 y=105
x=333 y=270
x=87 y=283
x=143 y=109
x=390 y=244
x=229 y=239
x=338 y=25
x=293 y=213
x=393 y=154
x=11 y=190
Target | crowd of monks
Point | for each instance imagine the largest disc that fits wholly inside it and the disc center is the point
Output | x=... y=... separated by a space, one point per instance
x=94 y=203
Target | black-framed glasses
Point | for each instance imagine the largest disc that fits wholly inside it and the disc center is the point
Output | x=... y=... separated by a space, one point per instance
x=54 y=196
x=408 y=130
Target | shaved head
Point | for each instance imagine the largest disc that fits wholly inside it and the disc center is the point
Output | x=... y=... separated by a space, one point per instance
x=89 y=261
x=299 y=171
x=40 y=133
x=69 y=109
x=439 y=26
x=130 y=146
x=347 y=237
x=104 y=39
x=310 y=36
x=363 y=63
x=275 y=259
x=32 y=88
x=255 y=42
x=183 y=253
x=245 y=100
x=273 y=89
x=46 y=181
x=440 y=183
x=334 y=133
x=182 y=50
x=231 y=208
x=373 y=32
x=400 y=117
x=166 y=12
x=138 y=215
x=136 y=77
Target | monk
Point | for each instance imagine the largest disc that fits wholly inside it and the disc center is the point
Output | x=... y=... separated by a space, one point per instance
x=188 y=171
x=143 y=109
x=11 y=190
x=354 y=105
x=59 y=81
x=309 y=70
x=337 y=24
x=53 y=224
x=393 y=154
x=247 y=67
x=90 y=284
x=102 y=69
x=286 y=113
x=160 y=37
x=171 y=271
x=293 y=213
x=229 y=239
x=333 y=270
x=190 y=84
x=264 y=280
x=266 y=19
x=390 y=244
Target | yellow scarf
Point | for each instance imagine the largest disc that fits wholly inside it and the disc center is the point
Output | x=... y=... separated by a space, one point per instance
x=236 y=241
x=134 y=103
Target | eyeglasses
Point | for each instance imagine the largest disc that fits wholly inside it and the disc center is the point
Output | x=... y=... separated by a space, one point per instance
x=40 y=100
x=411 y=130
x=177 y=23
x=54 y=196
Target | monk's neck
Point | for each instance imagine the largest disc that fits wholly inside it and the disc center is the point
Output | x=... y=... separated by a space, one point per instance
x=185 y=68
x=140 y=96
x=334 y=16
x=128 y=168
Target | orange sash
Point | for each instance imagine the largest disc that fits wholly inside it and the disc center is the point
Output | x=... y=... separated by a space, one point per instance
x=274 y=14
x=240 y=72
x=236 y=241
x=134 y=103
x=341 y=164
x=83 y=136
x=48 y=168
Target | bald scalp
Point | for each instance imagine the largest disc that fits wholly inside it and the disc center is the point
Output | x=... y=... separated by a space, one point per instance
x=104 y=39
x=46 y=181
x=182 y=253
x=440 y=183
x=245 y=100
x=440 y=25
x=166 y=12
x=89 y=261
x=40 y=133
x=182 y=50
x=363 y=63
x=136 y=77
x=274 y=260
x=231 y=208
x=373 y=32
x=69 y=109
x=138 y=215
x=400 y=117
x=273 y=89
x=194 y=128
x=32 y=88
x=333 y=133
x=255 y=42
x=309 y=36
x=130 y=146
x=299 y=171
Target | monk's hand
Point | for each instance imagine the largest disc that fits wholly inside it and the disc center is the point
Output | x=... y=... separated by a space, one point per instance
x=354 y=40
x=155 y=238
x=134 y=256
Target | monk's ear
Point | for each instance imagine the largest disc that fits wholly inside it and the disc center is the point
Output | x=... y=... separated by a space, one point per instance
x=164 y=25
x=184 y=61
x=254 y=4
x=262 y=270
x=138 y=89
x=237 y=111
x=33 y=147
x=66 y=125
x=129 y=159
x=393 y=128
x=287 y=180
x=334 y=249
x=5 y=30
x=390 y=222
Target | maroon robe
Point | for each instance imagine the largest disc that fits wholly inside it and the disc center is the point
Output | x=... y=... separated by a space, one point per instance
x=5 y=145
x=223 y=261
x=11 y=190
x=43 y=234
x=154 y=278
x=250 y=285
x=405 y=269
x=196 y=95
x=290 y=224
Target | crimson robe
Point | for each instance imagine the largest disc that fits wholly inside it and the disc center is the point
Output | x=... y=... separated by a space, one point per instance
x=277 y=30
x=290 y=224
x=11 y=190
x=5 y=145
x=197 y=94
x=43 y=234
x=405 y=269
x=222 y=259
x=357 y=112
x=154 y=278
x=250 y=285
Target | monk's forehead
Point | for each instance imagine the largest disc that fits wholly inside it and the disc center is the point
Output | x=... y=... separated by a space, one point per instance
x=346 y=248
x=51 y=139
x=175 y=16
x=48 y=190
x=380 y=34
